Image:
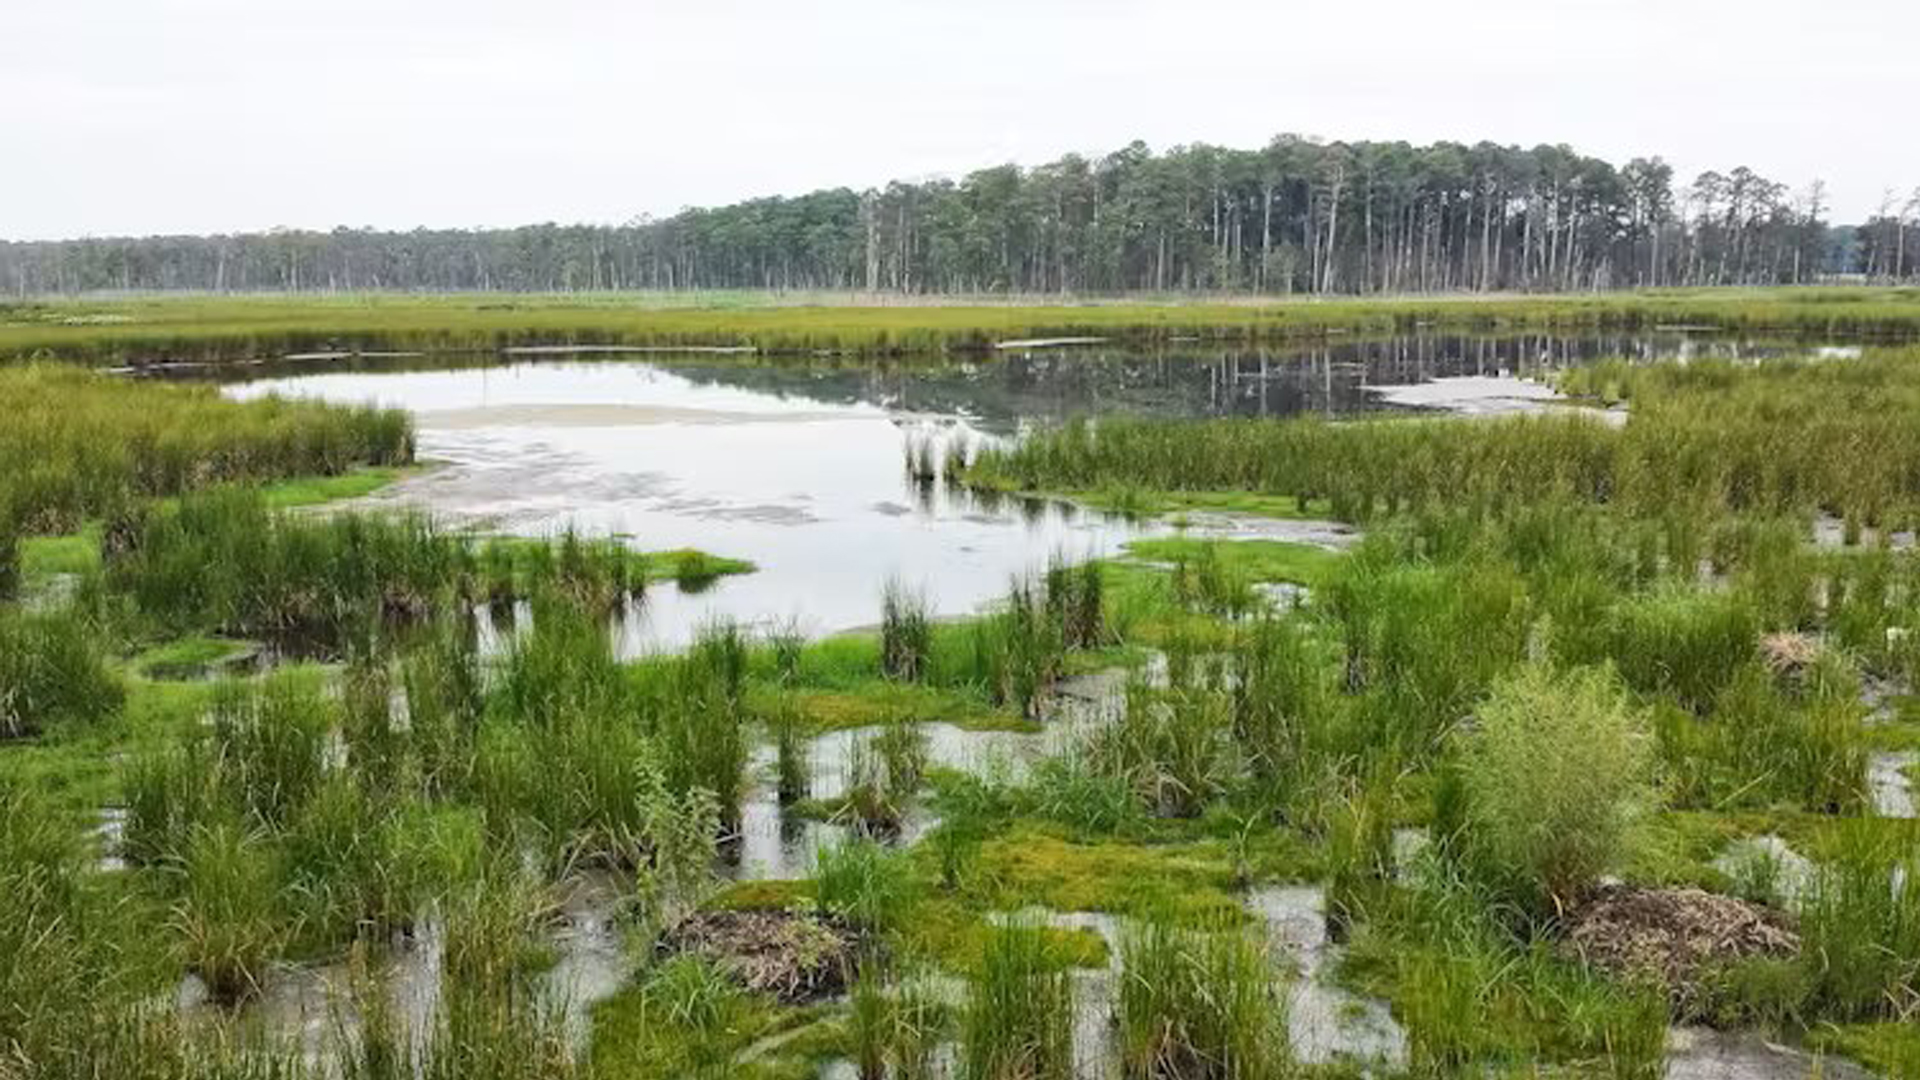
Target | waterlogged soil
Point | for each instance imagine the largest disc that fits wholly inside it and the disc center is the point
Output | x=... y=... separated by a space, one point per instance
x=1695 y=1053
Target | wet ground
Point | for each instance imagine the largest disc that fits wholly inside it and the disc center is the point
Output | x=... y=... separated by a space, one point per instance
x=1704 y=1054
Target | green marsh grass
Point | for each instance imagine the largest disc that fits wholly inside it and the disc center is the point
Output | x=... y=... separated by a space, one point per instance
x=865 y=884
x=1199 y=1003
x=224 y=561
x=1861 y=928
x=1018 y=1019
x=9 y=558
x=72 y=954
x=78 y=444
x=906 y=633
x=52 y=673
x=893 y=1027
x=1019 y=649
x=228 y=918
x=793 y=755
x=1075 y=600
x=1782 y=437
x=270 y=744
x=1172 y=747
x=215 y=329
x=1285 y=697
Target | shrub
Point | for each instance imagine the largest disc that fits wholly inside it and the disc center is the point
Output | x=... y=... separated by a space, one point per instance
x=1555 y=771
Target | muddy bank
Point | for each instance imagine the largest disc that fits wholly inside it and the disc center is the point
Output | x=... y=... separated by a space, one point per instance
x=1490 y=395
x=1214 y=525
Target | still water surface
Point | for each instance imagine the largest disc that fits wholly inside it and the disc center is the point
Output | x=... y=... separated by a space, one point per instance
x=799 y=467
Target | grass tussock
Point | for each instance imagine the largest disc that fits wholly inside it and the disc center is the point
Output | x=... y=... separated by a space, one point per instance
x=52 y=673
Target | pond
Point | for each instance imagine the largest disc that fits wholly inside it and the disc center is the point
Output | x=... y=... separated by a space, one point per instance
x=799 y=467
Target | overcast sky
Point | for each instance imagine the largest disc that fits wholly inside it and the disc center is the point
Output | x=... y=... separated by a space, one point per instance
x=161 y=116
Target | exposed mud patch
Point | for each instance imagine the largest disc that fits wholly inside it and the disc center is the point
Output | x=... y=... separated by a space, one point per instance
x=1211 y=525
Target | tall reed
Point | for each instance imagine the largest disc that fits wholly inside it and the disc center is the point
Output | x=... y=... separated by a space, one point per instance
x=1018 y=1020
x=79 y=444
x=1198 y=1004
x=906 y=634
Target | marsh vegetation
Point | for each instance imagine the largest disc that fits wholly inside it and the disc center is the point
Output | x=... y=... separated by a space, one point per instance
x=1580 y=752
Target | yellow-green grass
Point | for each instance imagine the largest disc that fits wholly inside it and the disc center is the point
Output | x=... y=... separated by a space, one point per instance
x=216 y=328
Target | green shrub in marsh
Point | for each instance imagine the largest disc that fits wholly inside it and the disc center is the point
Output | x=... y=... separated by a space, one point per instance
x=1556 y=770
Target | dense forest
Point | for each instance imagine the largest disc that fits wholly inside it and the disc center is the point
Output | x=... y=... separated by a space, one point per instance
x=1298 y=216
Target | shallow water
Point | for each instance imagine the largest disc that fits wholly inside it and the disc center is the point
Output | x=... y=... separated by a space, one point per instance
x=775 y=845
x=799 y=467
x=1695 y=1053
x=814 y=493
x=1890 y=784
x=312 y=1006
x=1325 y=1023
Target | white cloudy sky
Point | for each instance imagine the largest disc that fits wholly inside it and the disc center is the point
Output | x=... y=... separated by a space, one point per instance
x=153 y=116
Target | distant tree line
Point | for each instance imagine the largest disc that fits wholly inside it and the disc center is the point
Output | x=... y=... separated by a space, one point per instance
x=1297 y=216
